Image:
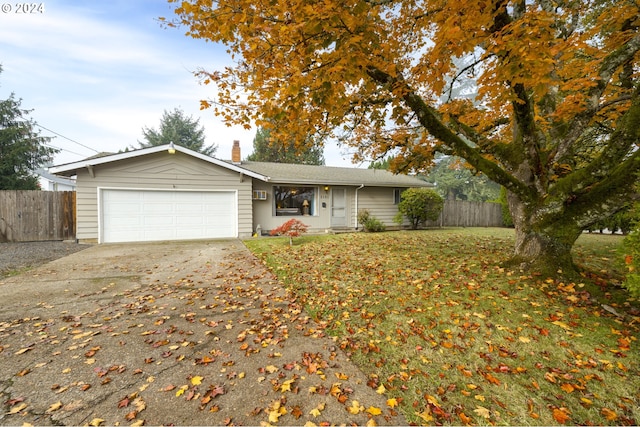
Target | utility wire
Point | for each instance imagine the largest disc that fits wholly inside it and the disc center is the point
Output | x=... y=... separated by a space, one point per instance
x=75 y=142
x=64 y=149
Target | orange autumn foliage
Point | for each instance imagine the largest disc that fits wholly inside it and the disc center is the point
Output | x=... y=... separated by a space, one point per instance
x=541 y=97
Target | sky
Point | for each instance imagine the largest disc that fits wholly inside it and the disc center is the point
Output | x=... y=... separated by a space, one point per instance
x=95 y=73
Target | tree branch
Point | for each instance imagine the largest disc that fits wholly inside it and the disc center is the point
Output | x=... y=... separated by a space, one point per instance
x=429 y=119
x=581 y=122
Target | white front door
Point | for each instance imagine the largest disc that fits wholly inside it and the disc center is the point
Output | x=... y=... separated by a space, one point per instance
x=148 y=215
x=338 y=207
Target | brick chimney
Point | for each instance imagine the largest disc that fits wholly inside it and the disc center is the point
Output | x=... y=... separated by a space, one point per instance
x=235 y=152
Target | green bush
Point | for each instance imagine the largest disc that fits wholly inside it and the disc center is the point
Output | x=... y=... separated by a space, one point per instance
x=622 y=221
x=631 y=249
x=370 y=223
x=631 y=253
x=419 y=205
x=506 y=214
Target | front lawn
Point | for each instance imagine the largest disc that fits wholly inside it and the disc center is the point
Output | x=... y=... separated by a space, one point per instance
x=450 y=337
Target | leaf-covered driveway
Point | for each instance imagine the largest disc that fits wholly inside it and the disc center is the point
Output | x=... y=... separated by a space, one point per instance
x=170 y=333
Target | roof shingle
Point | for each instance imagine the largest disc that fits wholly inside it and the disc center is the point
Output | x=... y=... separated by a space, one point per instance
x=288 y=173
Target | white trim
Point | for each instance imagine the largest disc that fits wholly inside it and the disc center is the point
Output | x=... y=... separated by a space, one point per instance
x=88 y=163
x=355 y=227
x=100 y=190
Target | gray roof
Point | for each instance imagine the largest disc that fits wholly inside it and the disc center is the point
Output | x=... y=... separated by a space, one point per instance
x=288 y=173
x=283 y=173
x=54 y=178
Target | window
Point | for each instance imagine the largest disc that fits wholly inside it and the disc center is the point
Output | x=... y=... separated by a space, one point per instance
x=294 y=200
x=397 y=195
x=259 y=195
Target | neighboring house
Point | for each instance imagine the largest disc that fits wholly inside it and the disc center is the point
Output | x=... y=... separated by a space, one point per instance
x=49 y=182
x=167 y=193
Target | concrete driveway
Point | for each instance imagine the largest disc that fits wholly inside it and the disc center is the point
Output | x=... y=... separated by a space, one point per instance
x=183 y=333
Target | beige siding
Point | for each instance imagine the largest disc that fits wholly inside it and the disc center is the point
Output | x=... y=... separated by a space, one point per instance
x=158 y=171
x=379 y=202
x=264 y=210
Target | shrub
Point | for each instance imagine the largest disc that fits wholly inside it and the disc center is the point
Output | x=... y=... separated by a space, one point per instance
x=419 y=205
x=370 y=223
x=506 y=214
x=631 y=252
x=622 y=221
x=292 y=228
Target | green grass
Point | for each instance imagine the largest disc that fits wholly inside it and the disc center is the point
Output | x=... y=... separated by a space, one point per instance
x=455 y=338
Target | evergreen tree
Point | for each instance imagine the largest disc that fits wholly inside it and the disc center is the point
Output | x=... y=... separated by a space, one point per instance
x=267 y=150
x=22 y=149
x=180 y=129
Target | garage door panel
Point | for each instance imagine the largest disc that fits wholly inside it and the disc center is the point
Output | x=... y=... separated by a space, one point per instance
x=146 y=215
x=154 y=221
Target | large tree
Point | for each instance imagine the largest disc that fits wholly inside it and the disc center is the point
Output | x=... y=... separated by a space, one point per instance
x=183 y=130
x=555 y=119
x=267 y=150
x=22 y=149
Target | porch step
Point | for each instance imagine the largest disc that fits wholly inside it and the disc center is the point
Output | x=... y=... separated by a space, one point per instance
x=342 y=230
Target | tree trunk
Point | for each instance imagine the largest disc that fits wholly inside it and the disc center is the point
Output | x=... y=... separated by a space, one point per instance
x=543 y=244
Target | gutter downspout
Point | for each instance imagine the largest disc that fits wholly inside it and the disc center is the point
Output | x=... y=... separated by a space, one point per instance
x=356 y=216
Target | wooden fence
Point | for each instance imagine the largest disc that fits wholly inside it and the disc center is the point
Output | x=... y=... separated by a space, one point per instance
x=461 y=213
x=28 y=216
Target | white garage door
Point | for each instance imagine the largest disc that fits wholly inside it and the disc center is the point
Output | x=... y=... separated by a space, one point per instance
x=143 y=215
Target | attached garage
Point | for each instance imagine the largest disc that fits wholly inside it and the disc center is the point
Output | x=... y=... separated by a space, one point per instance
x=160 y=193
x=154 y=215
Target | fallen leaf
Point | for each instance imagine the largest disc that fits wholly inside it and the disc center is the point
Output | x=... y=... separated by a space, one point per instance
x=609 y=414
x=181 y=390
x=197 y=380
x=426 y=416
x=432 y=400
x=317 y=410
x=139 y=404
x=286 y=386
x=392 y=403
x=562 y=325
x=355 y=407
x=124 y=402
x=271 y=369
x=560 y=415
x=276 y=411
x=585 y=401
x=296 y=412
x=22 y=351
x=17 y=409
x=374 y=411
x=568 y=388
x=23 y=372
x=483 y=412
x=96 y=422
x=464 y=418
